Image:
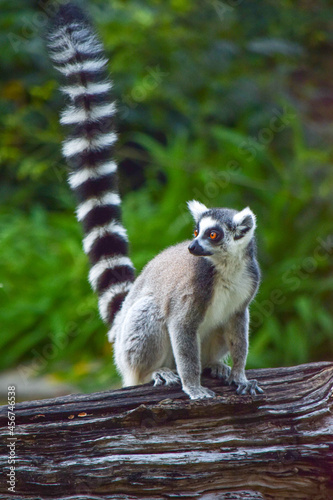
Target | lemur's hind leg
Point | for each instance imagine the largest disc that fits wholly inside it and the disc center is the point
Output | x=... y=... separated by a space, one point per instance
x=142 y=344
x=214 y=350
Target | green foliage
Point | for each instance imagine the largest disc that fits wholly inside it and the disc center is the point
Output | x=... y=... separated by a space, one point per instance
x=217 y=102
x=49 y=313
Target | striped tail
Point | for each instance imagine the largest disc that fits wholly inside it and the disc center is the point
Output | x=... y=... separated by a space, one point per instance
x=79 y=56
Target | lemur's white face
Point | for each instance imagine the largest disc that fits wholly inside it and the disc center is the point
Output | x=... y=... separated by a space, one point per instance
x=220 y=231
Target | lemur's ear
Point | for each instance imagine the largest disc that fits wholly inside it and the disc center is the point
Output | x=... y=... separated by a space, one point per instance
x=197 y=209
x=245 y=224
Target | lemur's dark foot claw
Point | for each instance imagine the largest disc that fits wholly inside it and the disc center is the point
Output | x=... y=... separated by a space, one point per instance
x=250 y=387
x=219 y=371
x=165 y=376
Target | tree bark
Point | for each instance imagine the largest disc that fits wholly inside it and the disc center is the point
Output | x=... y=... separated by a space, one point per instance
x=147 y=442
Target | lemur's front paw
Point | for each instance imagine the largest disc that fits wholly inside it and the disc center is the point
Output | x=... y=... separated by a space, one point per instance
x=165 y=376
x=219 y=370
x=199 y=392
x=245 y=386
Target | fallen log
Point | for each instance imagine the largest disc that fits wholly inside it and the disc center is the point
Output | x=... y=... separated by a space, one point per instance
x=147 y=442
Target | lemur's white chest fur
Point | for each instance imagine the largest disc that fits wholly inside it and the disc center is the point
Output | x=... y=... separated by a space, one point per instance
x=231 y=291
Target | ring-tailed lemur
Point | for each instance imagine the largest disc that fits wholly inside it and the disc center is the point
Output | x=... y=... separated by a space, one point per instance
x=189 y=307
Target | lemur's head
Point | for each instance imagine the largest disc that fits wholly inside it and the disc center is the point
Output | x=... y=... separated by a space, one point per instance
x=220 y=231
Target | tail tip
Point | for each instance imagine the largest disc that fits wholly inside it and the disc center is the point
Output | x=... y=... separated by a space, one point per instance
x=68 y=13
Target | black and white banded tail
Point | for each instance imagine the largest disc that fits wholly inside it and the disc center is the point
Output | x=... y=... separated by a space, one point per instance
x=79 y=56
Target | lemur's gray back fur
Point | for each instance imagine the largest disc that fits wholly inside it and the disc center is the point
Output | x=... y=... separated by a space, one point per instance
x=79 y=56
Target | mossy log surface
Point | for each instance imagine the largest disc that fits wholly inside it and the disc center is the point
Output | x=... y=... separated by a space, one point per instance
x=147 y=442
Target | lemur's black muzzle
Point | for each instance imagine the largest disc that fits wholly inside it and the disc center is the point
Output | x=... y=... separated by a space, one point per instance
x=196 y=249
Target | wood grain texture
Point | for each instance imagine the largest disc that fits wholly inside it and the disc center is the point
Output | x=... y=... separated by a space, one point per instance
x=146 y=442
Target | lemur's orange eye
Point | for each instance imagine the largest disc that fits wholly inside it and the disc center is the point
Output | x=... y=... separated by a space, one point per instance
x=213 y=235
x=196 y=232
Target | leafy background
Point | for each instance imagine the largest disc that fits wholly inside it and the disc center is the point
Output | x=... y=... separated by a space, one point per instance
x=229 y=103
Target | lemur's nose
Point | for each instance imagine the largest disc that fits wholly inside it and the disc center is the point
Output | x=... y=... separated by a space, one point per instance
x=191 y=246
x=195 y=248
